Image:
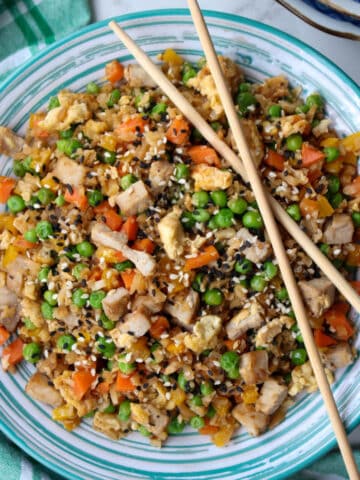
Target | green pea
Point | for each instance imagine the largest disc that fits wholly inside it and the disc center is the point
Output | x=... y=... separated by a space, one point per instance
x=29 y=324
x=68 y=146
x=197 y=422
x=182 y=382
x=298 y=335
x=95 y=197
x=331 y=154
x=243 y=266
x=154 y=347
x=50 y=297
x=43 y=274
x=66 y=133
x=196 y=401
x=125 y=265
x=233 y=373
x=85 y=249
x=182 y=171
x=229 y=361
x=175 y=426
x=78 y=269
x=106 y=323
x=294 y=212
x=90 y=414
x=206 y=353
x=19 y=168
x=188 y=72
x=109 y=365
x=282 y=294
x=127 y=180
x=252 y=219
x=126 y=367
x=79 y=297
x=187 y=220
x=53 y=103
x=96 y=298
x=274 y=111
x=244 y=87
x=158 y=109
x=336 y=200
x=219 y=198
x=238 y=205
x=106 y=347
x=258 y=283
x=201 y=62
x=224 y=218
x=270 y=270
x=31 y=236
x=211 y=412
x=109 y=409
x=124 y=410
x=216 y=126
x=198 y=284
x=212 y=223
x=315 y=99
x=60 y=200
x=356 y=219
x=44 y=229
x=337 y=262
x=245 y=100
x=196 y=135
x=201 y=215
x=113 y=98
x=294 y=142
x=15 y=204
x=333 y=184
x=206 y=388
x=213 y=297
x=200 y=199
x=325 y=248
x=92 y=88
x=302 y=109
x=66 y=342
x=47 y=311
x=315 y=123
x=32 y=352
x=298 y=356
x=45 y=196
x=108 y=157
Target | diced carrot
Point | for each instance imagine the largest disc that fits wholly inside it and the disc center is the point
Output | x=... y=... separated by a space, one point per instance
x=4 y=335
x=7 y=185
x=274 y=159
x=82 y=380
x=353 y=190
x=124 y=383
x=13 y=353
x=130 y=227
x=208 y=430
x=356 y=285
x=159 y=326
x=207 y=256
x=102 y=388
x=310 y=155
x=144 y=245
x=178 y=131
x=229 y=344
x=22 y=245
x=309 y=207
x=114 y=71
x=313 y=175
x=204 y=154
x=127 y=277
x=129 y=130
x=95 y=274
x=77 y=197
x=112 y=219
x=37 y=130
x=336 y=318
x=322 y=340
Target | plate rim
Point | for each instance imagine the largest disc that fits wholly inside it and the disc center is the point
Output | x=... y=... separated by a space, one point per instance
x=171 y=12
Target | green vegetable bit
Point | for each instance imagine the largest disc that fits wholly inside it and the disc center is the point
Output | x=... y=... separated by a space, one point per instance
x=187 y=220
x=336 y=200
x=188 y=71
x=113 y=98
x=182 y=171
x=274 y=111
x=78 y=269
x=127 y=180
x=32 y=352
x=43 y=274
x=126 y=367
x=206 y=388
x=270 y=270
x=106 y=347
x=200 y=199
x=244 y=87
x=182 y=382
x=44 y=230
x=158 y=109
x=60 y=200
x=29 y=324
x=211 y=412
x=124 y=410
x=201 y=215
x=243 y=266
x=45 y=196
x=109 y=409
x=356 y=219
x=219 y=198
x=108 y=157
x=68 y=146
x=258 y=283
x=106 y=322
x=237 y=205
x=197 y=422
x=50 y=297
x=245 y=100
x=175 y=426
x=294 y=212
x=196 y=401
x=31 y=236
x=47 y=311
x=315 y=99
x=252 y=219
x=53 y=103
x=95 y=197
x=325 y=248
x=282 y=294
x=96 y=298
x=294 y=142
x=298 y=356
x=66 y=341
x=213 y=297
x=333 y=184
x=230 y=361
x=331 y=154
x=125 y=265
x=224 y=218
x=85 y=249
x=199 y=284
x=15 y=204
x=66 y=133
x=93 y=88
x=79 y=297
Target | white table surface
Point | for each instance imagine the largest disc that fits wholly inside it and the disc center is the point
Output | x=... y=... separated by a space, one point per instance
x=345 y=53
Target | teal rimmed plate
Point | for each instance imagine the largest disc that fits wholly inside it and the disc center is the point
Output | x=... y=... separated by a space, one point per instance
x=85 y=454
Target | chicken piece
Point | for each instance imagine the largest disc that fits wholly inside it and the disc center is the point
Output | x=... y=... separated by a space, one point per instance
x=255 y=250
x=10 y=143
x=247 y=318
x=115 y=303
x=150 y=417
x=103 y=235
x=159 y=175
x=205 y=333
x=339 y=229
x=254 y=366
x=272 y=395
x=110 y=424
x=318 y=294
x=19 y=268
x=69 y=172
x=210 y=178
x=172 y=234
x=291 y=124
x=134 y=199
x=153 y=302
x=254 y=422
x=38 y=388
x=136 y=76
x=182 y=307
x=266 y=334
x=135 y=323
x=338 y=356
x=9 y=309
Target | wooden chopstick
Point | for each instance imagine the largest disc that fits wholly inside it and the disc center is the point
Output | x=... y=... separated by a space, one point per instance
x=232 y=158
x=275 y=237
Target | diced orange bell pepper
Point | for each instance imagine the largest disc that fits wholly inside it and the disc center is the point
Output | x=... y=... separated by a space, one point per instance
x=82 y=380
x=4 y=335
x=13 y=353
x=7 y=185
x=127 y=277
x=204 y=154
x=144 y=245
x=178 y=131
x=336 y=318
x=309 y=207
x=130 y=227
x=114 y=71
x=209 y=255
x=208 y=430
x=77 y=197
x=310 y=155
x=124 y=383
x=159 y=327
x=274 y=159
x=322 y=340
x=325 y=209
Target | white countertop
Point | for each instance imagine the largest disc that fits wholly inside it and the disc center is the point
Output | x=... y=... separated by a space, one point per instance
x=345 y=53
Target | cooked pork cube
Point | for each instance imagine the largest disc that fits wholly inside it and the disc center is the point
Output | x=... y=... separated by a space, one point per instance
x=136 y=76
x=159 y=175
x=136 y=323
x=115 y=302
x=337 y=356
x=135 y=199
x=172 y=234
x=38 y=388
x=254 y=422
x=69 y=171
x=266 y=334
x=272 y=395
x=247 y=318
x=9 y=315
x=254 y=366
x=339 y=229
x=255 y=251
x=183 y=307
x=318 y=294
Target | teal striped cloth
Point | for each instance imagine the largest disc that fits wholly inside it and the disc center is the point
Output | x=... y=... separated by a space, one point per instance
x=27 y=26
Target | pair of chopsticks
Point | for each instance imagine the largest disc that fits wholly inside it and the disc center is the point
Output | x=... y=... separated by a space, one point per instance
x=267 y=206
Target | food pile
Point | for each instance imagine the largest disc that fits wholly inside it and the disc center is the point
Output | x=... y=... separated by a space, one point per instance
x=135 y=271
